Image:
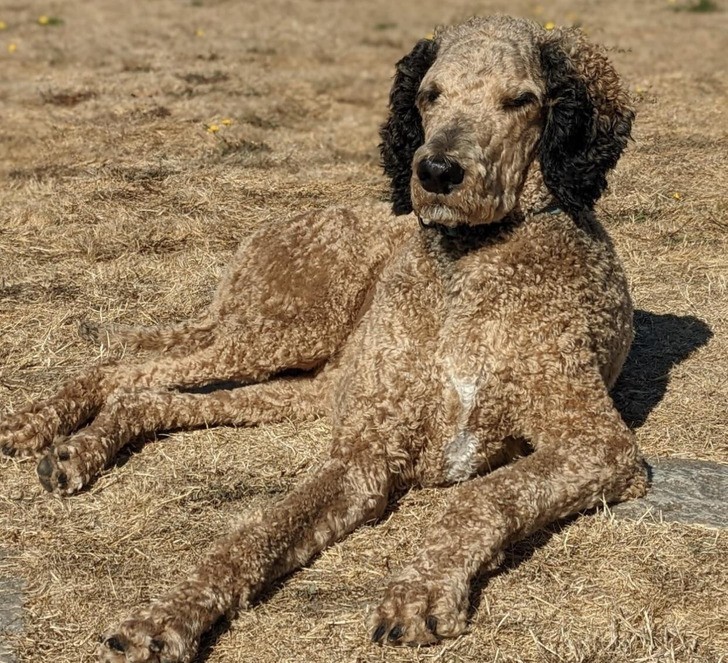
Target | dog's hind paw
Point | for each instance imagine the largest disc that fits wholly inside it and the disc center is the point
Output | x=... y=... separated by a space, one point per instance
x=60 y=471
x=26 y=434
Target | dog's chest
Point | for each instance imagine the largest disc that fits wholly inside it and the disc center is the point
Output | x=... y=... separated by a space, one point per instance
x=461 y=444
x=464 y=355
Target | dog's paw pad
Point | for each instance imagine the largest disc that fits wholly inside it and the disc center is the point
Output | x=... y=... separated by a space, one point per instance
x=415 y=632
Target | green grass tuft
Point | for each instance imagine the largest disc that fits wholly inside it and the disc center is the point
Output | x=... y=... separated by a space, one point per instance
x=698 y=7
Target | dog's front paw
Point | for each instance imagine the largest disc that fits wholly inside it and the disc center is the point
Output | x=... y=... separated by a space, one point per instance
x=144 y=640
x=420 y=609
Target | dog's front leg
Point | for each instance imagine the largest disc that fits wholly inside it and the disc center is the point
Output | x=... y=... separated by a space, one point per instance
x=331 y=503
x=583 y=454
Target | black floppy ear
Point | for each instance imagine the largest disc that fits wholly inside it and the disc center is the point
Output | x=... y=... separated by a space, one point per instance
x=402 y=133
x=588 y=120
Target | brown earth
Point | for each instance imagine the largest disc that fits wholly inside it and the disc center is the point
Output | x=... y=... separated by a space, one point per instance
x=117 y=202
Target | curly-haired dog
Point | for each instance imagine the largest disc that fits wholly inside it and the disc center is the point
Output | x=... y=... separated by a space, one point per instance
x=485 y=336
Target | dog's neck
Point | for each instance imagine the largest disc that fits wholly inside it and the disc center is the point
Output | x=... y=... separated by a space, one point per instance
x=460 y=240
x=466 y=230
x=535 y=197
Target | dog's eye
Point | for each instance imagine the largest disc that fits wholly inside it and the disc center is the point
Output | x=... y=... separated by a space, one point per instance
x=428 y=96
x=523 y=99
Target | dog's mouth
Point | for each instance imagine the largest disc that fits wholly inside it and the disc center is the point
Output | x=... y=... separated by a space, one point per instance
x=457 y=230
x=442 y=215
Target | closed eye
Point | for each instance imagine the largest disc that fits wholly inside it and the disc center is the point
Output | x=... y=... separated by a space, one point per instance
x=427 y=96
x=523 y=99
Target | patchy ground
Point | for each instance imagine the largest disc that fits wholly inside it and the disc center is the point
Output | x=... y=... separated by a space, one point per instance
x=120 y=201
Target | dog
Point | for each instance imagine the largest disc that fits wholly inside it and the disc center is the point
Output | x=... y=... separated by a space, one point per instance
x=469 y=338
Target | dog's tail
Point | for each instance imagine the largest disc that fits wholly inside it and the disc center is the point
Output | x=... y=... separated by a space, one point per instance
x=190 y=335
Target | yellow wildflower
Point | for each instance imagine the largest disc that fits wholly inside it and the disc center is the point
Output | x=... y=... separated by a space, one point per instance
x=3 y=25
x=199 y=32
x=12 y=48
x=47 y=21
x=213 y=128
x=226 y=121
x=549 y=25
x=677 y=195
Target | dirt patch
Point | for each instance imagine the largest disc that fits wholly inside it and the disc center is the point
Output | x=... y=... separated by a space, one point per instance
x=66 y=98
x=119 y=202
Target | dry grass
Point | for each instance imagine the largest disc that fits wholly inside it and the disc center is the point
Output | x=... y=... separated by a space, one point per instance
x=117 y=202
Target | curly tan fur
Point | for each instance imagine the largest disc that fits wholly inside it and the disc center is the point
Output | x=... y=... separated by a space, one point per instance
x=477 y=349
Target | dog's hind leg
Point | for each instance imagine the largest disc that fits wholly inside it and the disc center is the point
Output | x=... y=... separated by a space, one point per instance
x=33 y=428
x=329 y=504
x=248 y=357
x=290 y=298
x=72 y=463
x=30 y=429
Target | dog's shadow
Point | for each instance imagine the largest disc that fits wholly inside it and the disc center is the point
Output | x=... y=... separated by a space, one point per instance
x=661 y=342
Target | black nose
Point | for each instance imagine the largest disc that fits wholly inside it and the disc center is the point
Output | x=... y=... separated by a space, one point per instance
x=439 y=174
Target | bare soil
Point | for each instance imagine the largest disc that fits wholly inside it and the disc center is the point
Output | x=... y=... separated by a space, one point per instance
x=119 y=201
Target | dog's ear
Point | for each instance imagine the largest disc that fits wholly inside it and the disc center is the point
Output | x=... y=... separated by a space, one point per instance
x=402 y=133
x=588 y=120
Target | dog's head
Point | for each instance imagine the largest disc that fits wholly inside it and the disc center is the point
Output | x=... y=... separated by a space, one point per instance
x=471 y=108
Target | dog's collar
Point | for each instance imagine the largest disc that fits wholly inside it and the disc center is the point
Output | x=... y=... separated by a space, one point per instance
x=551 y=208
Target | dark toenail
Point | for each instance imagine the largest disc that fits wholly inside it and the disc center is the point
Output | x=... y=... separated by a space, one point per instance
x=431 y=623
x=377 y=635
x=395 y=633
x=156 y=645
x=115 y=643
x=45 y=467
x=64 y=455
x=44 y=470
x=62 y=480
